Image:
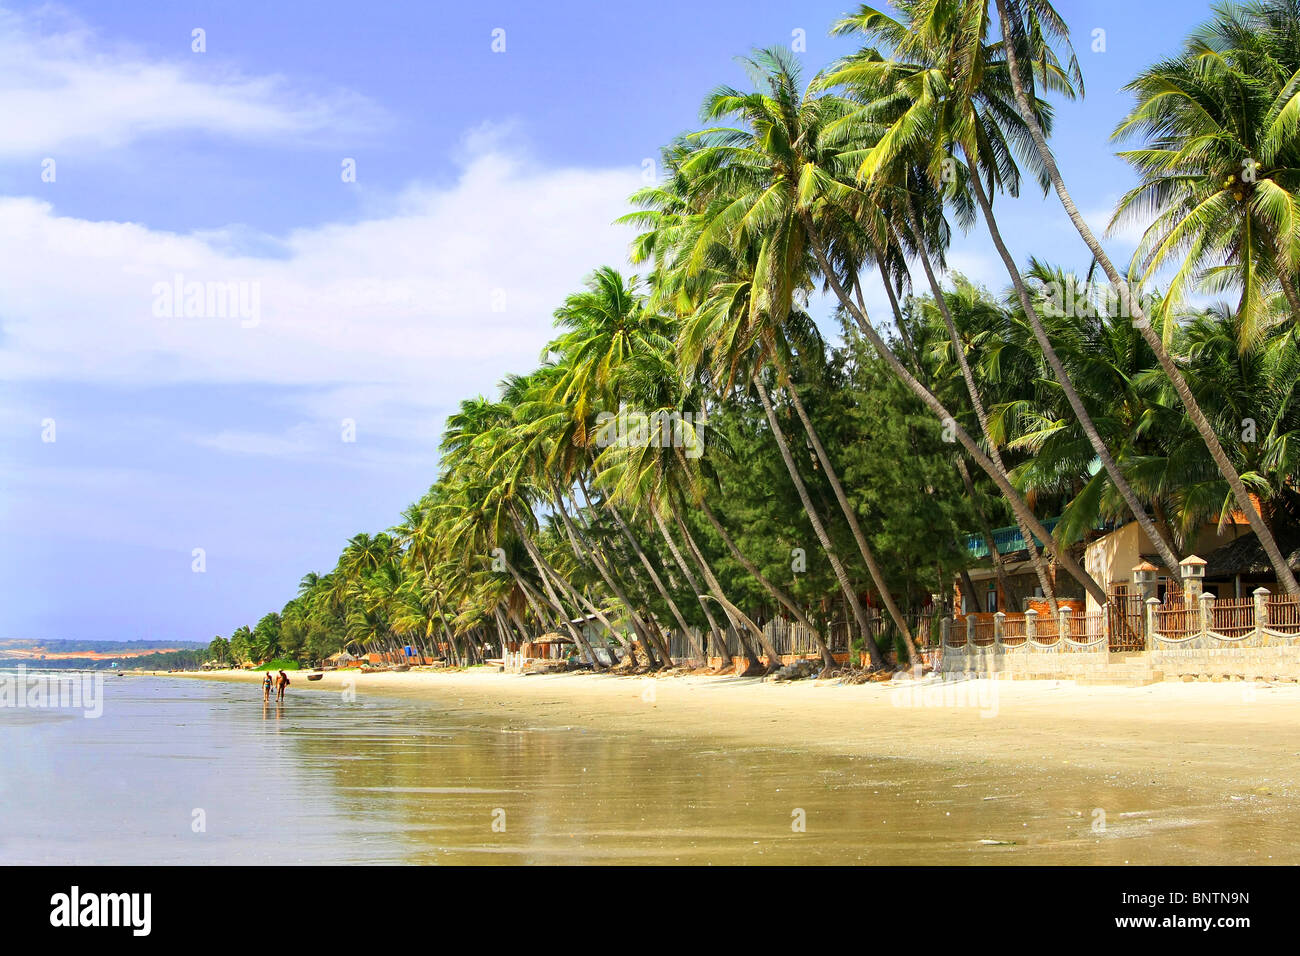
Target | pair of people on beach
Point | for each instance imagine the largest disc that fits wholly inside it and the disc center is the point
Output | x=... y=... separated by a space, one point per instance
x=281 y=683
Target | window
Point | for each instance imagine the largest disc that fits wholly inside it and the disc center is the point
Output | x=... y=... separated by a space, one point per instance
x=993 y=600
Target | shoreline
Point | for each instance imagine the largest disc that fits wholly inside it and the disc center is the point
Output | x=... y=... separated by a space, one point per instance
x=1221 y=740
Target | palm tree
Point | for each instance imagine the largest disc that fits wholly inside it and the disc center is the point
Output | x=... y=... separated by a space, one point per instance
x=792 y=181
x=604 y=327
x=745 y=182
x=1217 y=161
x=957 y=91
x=478 y=444
x=1029 y=27
x=646 y=467
x=551 y=439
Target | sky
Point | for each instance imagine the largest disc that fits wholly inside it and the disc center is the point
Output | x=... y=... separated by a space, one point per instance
x=392 y=209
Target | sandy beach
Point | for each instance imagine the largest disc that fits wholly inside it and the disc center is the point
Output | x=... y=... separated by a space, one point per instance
x=1217 y=740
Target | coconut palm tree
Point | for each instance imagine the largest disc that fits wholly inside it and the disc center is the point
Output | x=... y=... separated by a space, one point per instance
x=952 y=94
x=1217 y=159
x=1029 y=29
x=551 y=438
x=479 y=444
x=786 y=184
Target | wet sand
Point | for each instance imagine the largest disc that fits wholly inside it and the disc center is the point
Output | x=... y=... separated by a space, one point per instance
x=1227 y=735
x=1217 y=759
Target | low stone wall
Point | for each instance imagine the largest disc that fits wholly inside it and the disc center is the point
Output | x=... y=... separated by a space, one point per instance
x=1029 y=645
x=1063 y=660
x=1256 y=638
x=1259 y=655
x=1192 y=644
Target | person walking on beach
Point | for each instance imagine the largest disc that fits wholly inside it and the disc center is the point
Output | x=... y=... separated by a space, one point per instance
x=281 y=684
x=266 y=687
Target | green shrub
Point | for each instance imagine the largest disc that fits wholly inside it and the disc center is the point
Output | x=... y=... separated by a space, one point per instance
x=279 y=664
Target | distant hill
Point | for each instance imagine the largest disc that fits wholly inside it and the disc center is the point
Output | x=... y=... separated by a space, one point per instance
x=21 y=650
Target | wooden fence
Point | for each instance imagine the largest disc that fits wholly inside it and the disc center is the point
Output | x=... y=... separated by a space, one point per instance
x=1283 y=614
x=1230 y=619
x=1015 y=629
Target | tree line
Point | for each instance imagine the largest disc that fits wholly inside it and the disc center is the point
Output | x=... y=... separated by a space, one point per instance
x=693 y=455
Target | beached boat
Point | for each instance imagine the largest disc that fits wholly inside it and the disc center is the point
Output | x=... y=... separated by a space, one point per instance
x=315 y=676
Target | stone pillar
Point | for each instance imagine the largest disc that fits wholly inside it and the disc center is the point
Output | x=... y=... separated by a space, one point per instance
x=1207 y=612
x=1152 y=604
x=1192 y=570
x=1062 y=625
x=1261 y=611
x=970 y=631
x=1144 y=579
x=945 y=629
x=998 y=620
x=1031 y=624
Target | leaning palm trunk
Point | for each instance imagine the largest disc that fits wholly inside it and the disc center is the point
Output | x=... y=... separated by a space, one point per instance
x=987 y=531
x=719 y=641
x=715 y=588
x=1190 y=405
x=539 y=562
x=819 y=529
x=651 y=636
x=1058 y=370
x=534 y=600
x=903 y=333
x=579 y=601
x=931 y=402
x=453 y=654
x=784 y=599
x=503 y=629
x=851 y=515
x=581 y=549
x=660 y=645
x=518 y=621
x=643 y=558
x=995 y=453
x=644 y=595
x=1040 y=570
x=448 y=632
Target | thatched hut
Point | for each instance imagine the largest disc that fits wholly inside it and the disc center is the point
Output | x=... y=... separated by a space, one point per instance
x=549 y=646
x=1240 y=566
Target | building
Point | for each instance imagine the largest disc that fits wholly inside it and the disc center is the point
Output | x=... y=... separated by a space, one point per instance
x=1021 y=583
x=1113 y=558
x=1236 y=564
x=1236 y=568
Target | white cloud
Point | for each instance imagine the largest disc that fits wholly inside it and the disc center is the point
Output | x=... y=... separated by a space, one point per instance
x=384 y=320
x=63 y=88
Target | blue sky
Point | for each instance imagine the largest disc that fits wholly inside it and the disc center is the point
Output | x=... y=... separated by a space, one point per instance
x=486 y=185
